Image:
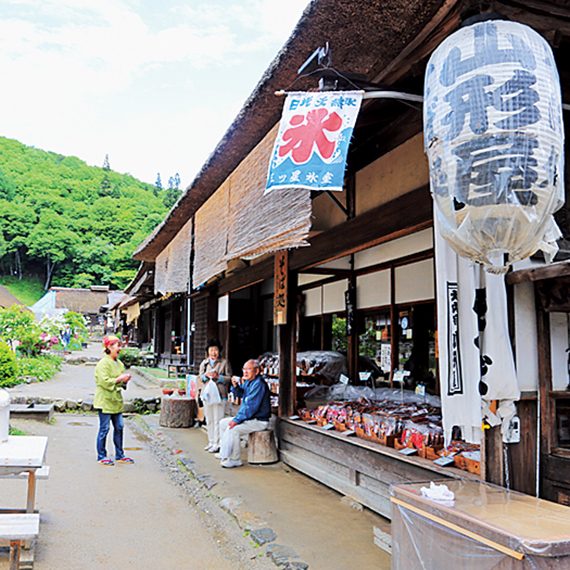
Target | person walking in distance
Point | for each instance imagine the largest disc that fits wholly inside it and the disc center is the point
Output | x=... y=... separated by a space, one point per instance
x=216 y=370
x=110 y=381
x=253 y=414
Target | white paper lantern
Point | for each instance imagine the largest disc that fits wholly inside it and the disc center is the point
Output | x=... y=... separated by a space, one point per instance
x=494 y=140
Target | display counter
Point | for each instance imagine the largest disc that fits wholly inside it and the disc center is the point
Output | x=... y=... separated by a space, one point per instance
x=355 y=467
x=486 y=527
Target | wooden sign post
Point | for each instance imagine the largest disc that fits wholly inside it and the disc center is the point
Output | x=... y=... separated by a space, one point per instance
x=281 y=277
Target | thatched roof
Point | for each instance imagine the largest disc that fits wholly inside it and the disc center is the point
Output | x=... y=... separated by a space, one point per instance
x=364 y=36
x=385 y=40
x=84 y=301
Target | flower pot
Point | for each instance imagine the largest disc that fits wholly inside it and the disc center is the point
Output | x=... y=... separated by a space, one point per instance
x=168 y=391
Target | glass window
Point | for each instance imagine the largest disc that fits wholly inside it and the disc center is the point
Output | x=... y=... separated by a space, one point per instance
x=416 y=345
x=374 y=342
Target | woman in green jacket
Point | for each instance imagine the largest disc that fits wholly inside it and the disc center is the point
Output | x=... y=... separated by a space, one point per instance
x=110 y=380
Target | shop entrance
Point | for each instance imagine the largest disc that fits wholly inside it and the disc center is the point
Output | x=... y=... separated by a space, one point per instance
x=244 y=326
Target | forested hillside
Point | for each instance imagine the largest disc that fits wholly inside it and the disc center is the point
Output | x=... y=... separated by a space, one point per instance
x=74 y=225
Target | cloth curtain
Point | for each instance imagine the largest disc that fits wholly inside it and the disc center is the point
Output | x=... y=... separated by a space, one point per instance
x=476 y=359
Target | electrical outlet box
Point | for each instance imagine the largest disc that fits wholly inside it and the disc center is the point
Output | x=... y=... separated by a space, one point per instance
x=513 y=432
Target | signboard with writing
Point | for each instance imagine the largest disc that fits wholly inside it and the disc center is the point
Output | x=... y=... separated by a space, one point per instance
x=280 y=275
x=312 y=143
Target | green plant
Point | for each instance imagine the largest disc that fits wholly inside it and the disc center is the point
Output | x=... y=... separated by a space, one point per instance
x=41 y=367
x=339 y=338
x=15 y=431
x=8 y=366
x=76 y=322
x=131 y=357
x=18 y=328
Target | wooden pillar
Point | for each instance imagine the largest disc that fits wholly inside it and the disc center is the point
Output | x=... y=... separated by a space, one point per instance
x=394 y=328
x=285 y=318
x=352 y=326
x=547 y=419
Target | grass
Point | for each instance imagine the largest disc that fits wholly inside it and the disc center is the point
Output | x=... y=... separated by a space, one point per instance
x=27 y=291
x=16 y=431
x=158 y=372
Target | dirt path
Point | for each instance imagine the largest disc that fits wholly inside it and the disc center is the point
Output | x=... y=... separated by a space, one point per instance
x=76 y=382
x=127 y=516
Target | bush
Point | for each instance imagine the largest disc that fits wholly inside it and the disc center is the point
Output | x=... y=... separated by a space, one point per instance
x=130 y=357
x=17 y=326
x=8 y=366
x=41 y=367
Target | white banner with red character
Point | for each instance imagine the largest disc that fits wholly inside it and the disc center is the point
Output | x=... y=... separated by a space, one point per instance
x=312 y=143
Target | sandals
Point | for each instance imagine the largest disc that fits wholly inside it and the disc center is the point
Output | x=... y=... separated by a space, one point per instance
x=125 y=460
x=106 y=462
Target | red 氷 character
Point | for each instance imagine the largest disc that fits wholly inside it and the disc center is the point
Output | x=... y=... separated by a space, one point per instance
x=307 y=131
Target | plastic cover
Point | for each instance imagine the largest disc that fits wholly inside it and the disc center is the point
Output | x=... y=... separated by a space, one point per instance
x=348 y=393
x=494 y=139
x=505 y=518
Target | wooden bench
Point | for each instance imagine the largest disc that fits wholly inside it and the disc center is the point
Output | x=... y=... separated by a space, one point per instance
x=17 y=529
x=261 y=448
x=31 y=477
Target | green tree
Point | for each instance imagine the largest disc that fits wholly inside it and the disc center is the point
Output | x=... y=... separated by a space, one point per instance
x=52 y=241
x=106 y=182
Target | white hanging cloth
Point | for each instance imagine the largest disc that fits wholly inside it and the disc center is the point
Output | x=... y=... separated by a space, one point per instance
x=459 y=370
x=475 y=354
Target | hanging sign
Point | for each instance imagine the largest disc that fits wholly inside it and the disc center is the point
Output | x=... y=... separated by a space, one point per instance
x=312 y=143
x=350 y=305
x=494 y=139
x=280 y=276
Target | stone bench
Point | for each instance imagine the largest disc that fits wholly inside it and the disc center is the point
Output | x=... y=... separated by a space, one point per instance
x=17 y=529
x=261 y=448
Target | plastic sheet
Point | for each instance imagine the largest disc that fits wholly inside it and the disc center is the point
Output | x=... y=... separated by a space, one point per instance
x=347 y=392
x=494 y=139
x=487 y=528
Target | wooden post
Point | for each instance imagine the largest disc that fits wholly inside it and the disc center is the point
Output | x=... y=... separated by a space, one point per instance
x=177 y=412
x=394 y=329
x=286 y=285
x=547 y=420
x=352 y=326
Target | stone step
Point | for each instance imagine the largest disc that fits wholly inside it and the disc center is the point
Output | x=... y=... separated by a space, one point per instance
x=40 y=412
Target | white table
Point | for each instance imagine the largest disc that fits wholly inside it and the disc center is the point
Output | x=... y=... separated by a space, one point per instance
x=24 y=454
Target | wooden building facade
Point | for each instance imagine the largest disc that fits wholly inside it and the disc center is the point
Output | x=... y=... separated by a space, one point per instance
x=370 y=254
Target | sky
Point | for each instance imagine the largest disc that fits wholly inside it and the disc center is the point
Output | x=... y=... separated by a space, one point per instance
x=152 y=83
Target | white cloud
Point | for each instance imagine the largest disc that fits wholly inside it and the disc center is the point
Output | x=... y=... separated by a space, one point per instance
x=88 y=77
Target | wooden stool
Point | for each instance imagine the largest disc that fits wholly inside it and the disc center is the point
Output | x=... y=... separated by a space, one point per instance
x=261 y=447
x=177 y=412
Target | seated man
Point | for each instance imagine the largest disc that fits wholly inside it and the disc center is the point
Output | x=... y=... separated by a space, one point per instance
x=253 y=414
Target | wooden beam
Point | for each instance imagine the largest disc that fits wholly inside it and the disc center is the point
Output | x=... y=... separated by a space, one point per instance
x=328 y=271
x=401 y=216
x=445 y=20
x=553 y=271
x=246 y=277
x=365 y=150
